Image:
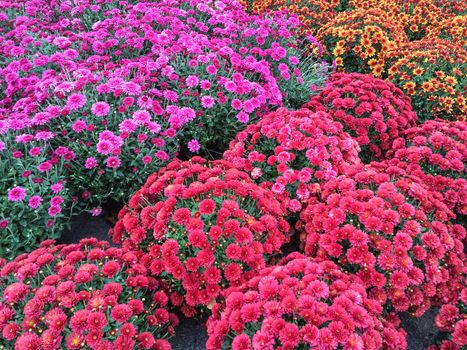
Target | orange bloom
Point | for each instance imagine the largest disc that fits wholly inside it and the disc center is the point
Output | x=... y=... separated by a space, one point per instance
x=450 y=80
x=410 y=85
x=439 y=96
x=364 y=35
x=418 y=71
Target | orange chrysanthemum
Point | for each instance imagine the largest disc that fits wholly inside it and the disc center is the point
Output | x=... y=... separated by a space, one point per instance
x=312 y=13
x=358 y=40
x=453 y=29
x=416 y=17
x=437 y=84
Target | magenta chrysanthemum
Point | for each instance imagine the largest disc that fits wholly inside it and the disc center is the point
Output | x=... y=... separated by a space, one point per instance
x=113 y=162
x=16 y=194
x=207 y=101
x=194 y=146
x=76 y=101
x=100 y=109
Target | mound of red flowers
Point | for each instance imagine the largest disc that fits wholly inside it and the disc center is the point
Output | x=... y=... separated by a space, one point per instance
x=204 y=226
x=393 y=233
x=302 y=304
x=373 y=111
x=452 y=318
x=436 y=152
x=82 y=296
x=293 y=152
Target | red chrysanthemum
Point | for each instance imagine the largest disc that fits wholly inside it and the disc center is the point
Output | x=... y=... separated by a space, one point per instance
x=53 y=309
x=213 y=228
x=452 y=318
x=293 y=152
x=278 y=308
x=391 y=231
x=373 y=111
x=436 y=152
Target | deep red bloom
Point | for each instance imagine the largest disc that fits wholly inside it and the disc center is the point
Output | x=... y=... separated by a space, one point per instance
x=207 y=206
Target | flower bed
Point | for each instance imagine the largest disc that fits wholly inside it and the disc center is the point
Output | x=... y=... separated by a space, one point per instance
x=265 y=70
x=431 y=73
x=129 y=86
x=417 y=18
x=453 y=29
x=436 y=152
x=110 y=125
x=311 y=13
x=117 y=100
x=205 y=227
x=393 y=233
x=299 y=305
x=452 y=319
x=358 y=41
x=34 y=198
x=85 y=294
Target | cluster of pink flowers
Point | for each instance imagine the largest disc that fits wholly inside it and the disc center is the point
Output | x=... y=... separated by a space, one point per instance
x=373 y=111
x=204 y=226
x=34 y=195
x=436 y=151
x=163 y=43
x=452 y=318
x=294 y=152
x=84 y=295
x=302 y=304
x=119 y=144
x=391 y=232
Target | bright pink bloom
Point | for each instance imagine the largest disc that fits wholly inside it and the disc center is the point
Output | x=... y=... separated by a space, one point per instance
x=194 y=146
x=207 y=101
x=16 y=194
x=100 y=109
x=91 y=162
x=76 y=101
x=113 y=162
x=35 y=201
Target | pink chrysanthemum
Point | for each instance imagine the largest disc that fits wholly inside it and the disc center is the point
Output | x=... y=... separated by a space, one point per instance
x=57 y=187
x=76 y=101
x=207 y=101
x=243 y=117
x=191 y=81
x=91 y=162
x=237 y=104
x=100 y=109
x=131 y=88
x=96 y=211
x=45 y=166
x=113 y=162
x=194 y=146
x=104 y=147
x=35 y=201
x=16 y=194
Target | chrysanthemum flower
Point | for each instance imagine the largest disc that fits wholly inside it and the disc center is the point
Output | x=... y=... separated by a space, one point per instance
x=17 y=194
x=293 y=152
